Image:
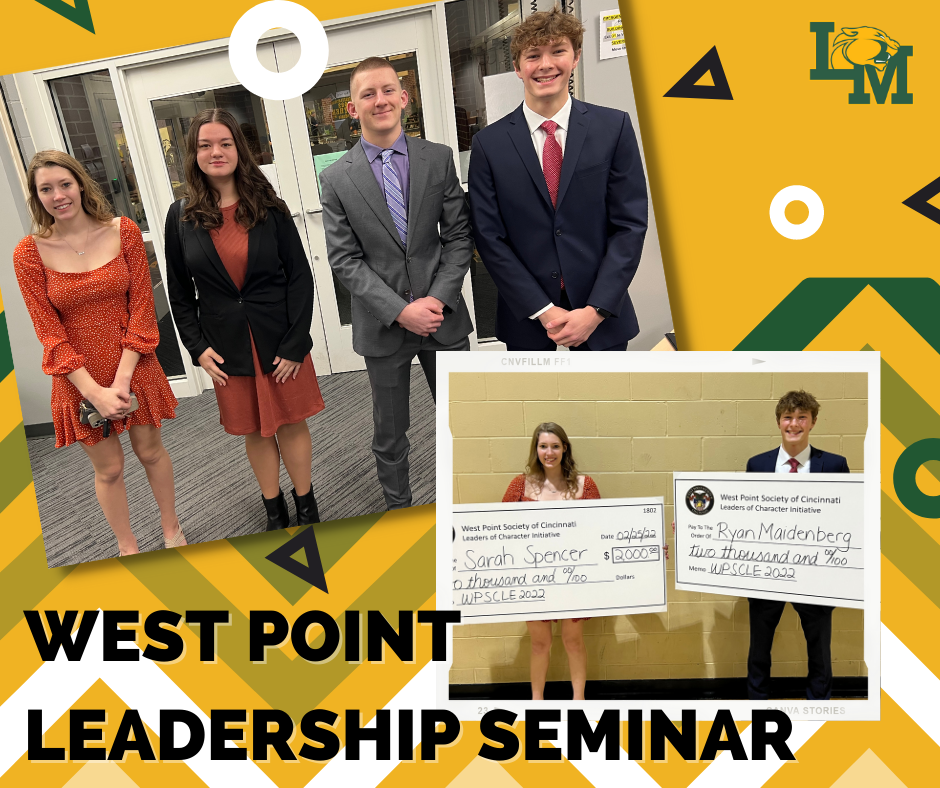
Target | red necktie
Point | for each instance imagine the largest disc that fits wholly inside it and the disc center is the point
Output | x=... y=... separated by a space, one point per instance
x=794 y=464
x=551 y=165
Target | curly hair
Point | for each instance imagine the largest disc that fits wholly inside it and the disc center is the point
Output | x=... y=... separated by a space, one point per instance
x=94 y=203
x=534 y=471
x=545 y=27
x=797 y=400
x=255 y=193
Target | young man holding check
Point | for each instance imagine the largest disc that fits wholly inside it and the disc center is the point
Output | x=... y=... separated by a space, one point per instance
x=559 y=203
x=796 y=416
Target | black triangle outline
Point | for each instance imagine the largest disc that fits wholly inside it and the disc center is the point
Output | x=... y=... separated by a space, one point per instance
x=918 y=201
x=686 y=87
x=313 y=574
x=79 y=14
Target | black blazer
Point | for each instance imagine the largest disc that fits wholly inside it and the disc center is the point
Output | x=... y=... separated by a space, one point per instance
x=276 y=299
x=819 y=462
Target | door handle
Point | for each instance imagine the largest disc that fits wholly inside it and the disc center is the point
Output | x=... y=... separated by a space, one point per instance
x=314 y=210
x=295 y=214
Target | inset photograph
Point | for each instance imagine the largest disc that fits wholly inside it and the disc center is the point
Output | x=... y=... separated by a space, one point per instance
x=662 y=535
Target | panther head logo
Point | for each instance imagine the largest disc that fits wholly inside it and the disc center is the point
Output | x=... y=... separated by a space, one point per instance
x=862 y=46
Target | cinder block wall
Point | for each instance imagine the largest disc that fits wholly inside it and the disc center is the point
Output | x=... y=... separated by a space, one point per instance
x=629 y=431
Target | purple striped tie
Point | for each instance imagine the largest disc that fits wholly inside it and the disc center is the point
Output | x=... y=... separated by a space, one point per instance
x=393 y=196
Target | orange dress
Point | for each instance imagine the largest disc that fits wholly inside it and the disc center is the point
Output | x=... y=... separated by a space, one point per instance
x=86 y=319
x=516 y=492
x=258 y=404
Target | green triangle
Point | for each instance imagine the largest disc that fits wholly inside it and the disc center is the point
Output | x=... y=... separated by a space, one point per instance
x=80 y=13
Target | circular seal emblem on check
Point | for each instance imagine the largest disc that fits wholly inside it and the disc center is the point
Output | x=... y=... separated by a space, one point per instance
x=699 y=500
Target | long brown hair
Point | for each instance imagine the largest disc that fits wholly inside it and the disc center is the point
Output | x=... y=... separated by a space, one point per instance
x=534 y=470
x=94 y=203
x=255 y=193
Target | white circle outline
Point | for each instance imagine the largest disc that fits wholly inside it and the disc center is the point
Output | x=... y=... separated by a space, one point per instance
x=243 y=56
x=796 y=232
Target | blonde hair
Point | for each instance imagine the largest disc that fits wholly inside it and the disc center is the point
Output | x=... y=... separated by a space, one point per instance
x=94 y=203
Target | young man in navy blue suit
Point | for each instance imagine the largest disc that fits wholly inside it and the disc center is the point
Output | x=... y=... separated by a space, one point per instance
x=559 y=203
x=796 y=417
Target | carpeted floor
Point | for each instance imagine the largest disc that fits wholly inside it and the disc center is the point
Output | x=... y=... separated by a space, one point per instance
x=217 y=495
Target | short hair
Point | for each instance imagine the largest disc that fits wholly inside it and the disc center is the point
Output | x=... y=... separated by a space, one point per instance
x=545 y=27
x=797 y=400
x=94 y=203
x=369 y=64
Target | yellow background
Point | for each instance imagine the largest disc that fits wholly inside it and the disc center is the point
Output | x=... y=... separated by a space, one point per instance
x=713 y=167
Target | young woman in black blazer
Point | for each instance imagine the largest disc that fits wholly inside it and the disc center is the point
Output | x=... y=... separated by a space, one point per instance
x=233 y=240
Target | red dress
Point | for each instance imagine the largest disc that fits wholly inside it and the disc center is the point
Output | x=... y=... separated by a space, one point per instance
x=86 y=319
x=258 y=404
x=516 y=492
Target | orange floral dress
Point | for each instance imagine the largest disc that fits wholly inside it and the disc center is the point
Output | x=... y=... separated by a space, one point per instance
x=516 y=493
x=86 y=319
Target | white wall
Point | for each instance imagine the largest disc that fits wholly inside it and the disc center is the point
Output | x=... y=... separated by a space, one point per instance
x=608 y=82
x=35 y=387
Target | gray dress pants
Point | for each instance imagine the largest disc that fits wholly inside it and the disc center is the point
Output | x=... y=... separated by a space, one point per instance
x=390 y=378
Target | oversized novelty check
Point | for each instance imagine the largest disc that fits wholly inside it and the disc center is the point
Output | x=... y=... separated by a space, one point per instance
x=558 y=559
x=792 y=537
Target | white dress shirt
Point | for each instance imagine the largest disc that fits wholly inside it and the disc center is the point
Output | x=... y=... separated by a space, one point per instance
x=534 y=121
x=783 y=461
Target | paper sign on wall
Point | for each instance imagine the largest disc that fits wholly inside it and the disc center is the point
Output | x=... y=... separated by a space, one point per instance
x=612 y=43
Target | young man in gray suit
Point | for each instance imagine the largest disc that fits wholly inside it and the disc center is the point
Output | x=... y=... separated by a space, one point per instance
x=398 y=237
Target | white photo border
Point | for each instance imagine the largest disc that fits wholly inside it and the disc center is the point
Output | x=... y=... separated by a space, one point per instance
x=686 y=361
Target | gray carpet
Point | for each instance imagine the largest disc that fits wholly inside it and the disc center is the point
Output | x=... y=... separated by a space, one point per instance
x=217 y=495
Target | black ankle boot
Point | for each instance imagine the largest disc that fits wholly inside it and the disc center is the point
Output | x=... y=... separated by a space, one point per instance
x=306 y=506
x=278 y=516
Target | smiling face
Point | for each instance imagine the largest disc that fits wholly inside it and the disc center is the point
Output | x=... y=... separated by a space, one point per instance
x=550 y=450
x=795 y=426
x=377 y=100
x=216 y=154
x=544 y=71
x=59 y=192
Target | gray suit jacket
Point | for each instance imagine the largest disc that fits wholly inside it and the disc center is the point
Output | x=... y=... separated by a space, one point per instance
x=367 y=256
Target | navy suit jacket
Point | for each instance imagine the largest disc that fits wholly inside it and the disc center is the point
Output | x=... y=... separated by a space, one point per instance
x=819 y=462
x=593 y=237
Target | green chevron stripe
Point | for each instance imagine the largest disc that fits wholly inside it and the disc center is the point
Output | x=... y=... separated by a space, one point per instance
x=334 y=540
x=6 y=354
x=803 y=314
x=906 y=545
x=24 y=582
x=14 y=459
x=293 y=686
x=917 y=301
x=814 y=303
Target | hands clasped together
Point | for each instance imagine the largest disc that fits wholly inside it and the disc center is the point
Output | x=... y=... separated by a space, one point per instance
x=423 y=316
x=570 y=329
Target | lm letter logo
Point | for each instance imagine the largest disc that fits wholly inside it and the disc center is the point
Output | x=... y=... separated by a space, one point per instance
x=858 y=52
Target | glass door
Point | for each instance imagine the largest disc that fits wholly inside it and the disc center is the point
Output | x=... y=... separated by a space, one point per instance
x=295 y=140
x=164 y=98
x=321 y=130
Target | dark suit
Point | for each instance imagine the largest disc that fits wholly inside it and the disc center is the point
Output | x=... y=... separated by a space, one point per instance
x=593 y=237
x=816 y=620
x=276 y=298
